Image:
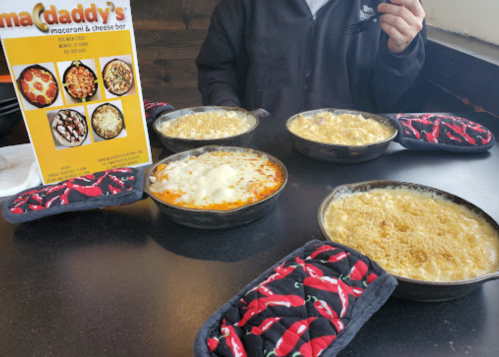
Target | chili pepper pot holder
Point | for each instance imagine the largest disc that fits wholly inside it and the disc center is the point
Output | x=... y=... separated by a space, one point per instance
x=311 y=303
x=441 y=132
x=103 y=189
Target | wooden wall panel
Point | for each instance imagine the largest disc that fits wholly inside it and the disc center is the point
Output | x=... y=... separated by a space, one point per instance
x=169 y=34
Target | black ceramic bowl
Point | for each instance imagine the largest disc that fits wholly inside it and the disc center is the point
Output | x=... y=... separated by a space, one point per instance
x=19 y=86
x=215 y=219
x=341 y=153
x=180 y=144
x=413 y=289
x=96 y=81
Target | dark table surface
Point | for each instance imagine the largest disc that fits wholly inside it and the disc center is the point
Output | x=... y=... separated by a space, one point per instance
x=128 y=282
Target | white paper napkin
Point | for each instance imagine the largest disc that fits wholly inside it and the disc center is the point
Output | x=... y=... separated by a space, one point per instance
x=18 y=169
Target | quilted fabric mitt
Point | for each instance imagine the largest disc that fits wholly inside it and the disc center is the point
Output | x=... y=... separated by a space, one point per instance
x=154 y=109
x=311 y=303
x=440 y=132
x=103 y=189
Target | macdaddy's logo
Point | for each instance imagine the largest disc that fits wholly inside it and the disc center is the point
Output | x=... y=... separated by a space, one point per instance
x=42 y=17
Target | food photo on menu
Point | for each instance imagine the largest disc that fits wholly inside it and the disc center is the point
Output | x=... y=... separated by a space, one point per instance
x=117 y=74
x=80 y=81
x=107 y=121
x=69 y=127
x=299 y=178
x=38 y=86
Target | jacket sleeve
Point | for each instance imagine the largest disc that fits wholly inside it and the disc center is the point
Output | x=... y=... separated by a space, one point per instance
x=219 y=61
x=395 y=74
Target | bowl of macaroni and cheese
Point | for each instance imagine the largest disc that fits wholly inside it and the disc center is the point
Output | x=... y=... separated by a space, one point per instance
x=190 y=128
x=216 y=187
x=340 y=136
x=437 y=245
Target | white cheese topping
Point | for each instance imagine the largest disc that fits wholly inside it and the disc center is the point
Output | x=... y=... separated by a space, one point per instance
x=217 y=178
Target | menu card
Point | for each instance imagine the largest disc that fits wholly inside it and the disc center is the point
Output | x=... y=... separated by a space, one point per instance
x=75 y=69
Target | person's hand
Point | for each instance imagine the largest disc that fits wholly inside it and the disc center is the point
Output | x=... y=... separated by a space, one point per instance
x=402 y=21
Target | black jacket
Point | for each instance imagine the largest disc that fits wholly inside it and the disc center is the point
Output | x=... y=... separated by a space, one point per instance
x=275 y=55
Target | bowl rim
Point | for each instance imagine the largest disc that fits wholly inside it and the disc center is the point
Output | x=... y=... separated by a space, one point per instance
x=398 y=184
x=205 y=141
x=346 y=111
x=213 y=148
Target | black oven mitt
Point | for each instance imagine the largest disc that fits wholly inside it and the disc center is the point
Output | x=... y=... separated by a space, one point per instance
x=440 y=132
x=311 y=303
x=154 y=109
x=103 y=189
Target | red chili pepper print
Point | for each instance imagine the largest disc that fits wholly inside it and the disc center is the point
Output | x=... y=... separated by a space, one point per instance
x=213 y=343
x=110 y=182
x=408 y=125
x=441 y=129
x=468 y=138
x=331 y=285
x=291 y=337
x=452 y=137
x=371 y=278
x=256 y=306
x=316 y=346
x=336 y=258
x=321 y=249
x=327 y=311
x=280 y=273
x=264 y=326
x=35 y=207
x=262 y=289
x=344 y=300
x=309 y=268
x=436 y=131
x=233 y=341
x=359 y=270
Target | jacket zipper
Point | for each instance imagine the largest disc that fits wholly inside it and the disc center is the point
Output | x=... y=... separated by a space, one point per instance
x=308 y=65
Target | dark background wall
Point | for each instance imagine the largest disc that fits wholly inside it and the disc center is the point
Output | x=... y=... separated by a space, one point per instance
x=169 y=34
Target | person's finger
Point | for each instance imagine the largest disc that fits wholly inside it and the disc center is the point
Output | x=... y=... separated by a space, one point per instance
x=394 y=34
x=413 y=5
x=400 y=11
x=399 y=23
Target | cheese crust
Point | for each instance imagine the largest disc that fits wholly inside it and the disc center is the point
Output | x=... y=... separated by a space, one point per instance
x=415 y=234
x=345 y=129
x=221 y=180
